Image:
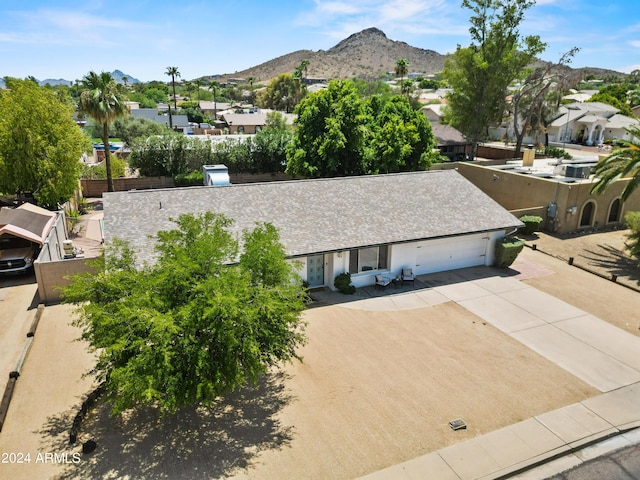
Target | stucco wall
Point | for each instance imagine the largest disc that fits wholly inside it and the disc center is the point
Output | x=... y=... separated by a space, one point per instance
x=524 y=194
x=51 y=276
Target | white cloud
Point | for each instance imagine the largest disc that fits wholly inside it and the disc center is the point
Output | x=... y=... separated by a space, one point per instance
x=66 y=27
x=339 y=19
x=336 y=8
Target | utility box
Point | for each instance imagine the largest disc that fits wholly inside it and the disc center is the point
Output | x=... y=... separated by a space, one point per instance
x=528 y=156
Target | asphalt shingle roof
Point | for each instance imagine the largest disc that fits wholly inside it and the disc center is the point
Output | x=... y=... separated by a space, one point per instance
x=322 y=215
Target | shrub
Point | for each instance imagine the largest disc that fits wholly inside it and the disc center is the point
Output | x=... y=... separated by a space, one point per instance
x=74 y=217
x=99 y=171
x=507 y=250
x=189 y=179
x=531 y=224
x=343 y=283
x=632 y=220
x=556 y=152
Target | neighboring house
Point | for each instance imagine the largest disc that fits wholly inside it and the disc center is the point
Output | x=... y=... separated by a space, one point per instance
x=430 y=96
x=316 y=87
x=244 y=122
x=580 y=96
x=589 y=123
x=210 y=108
x=248 y=120
x=314 y=80
x=433 y=112
x=559 y=193
x=367 y=225
x=161 y=116
x=451 y=143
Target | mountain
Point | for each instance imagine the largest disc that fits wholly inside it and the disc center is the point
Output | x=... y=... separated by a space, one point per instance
x=116 y=74
x=55 y=82
x=366 y=54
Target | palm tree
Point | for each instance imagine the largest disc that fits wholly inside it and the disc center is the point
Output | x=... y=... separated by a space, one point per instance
x=402 y=68
x=215 y=86
x=173 y=73
x=621 y=163
x=101 y=100
x=198 y=83
x=188 y=86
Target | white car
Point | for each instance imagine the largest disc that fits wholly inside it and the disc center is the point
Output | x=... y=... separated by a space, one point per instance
x=16 y=254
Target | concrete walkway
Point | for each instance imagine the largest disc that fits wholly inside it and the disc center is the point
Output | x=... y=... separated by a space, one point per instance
x=597 y=352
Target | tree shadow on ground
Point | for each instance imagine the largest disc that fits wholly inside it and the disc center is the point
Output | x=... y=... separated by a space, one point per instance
x=194 y=443
x=614 y=262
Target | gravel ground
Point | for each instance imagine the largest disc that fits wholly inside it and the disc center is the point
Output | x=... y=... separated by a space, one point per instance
x=601 y=252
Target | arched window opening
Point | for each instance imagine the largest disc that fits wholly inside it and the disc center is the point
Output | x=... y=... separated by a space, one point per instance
x=586 y=219
x=614 y=211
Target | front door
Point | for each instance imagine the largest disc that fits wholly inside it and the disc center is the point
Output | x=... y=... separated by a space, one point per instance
x=315 y=270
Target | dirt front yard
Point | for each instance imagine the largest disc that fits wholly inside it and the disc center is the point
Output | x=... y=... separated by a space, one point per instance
x=375 y=389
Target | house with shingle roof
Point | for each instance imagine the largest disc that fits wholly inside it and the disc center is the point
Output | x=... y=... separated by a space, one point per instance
x=367 y=225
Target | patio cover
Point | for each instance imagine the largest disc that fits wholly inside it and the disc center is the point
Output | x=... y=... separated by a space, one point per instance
x=27 y=221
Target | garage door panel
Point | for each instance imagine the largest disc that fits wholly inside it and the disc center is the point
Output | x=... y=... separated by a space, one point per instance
x=449 y=254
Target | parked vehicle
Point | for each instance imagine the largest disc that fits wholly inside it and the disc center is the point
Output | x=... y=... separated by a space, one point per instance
x=17 y=254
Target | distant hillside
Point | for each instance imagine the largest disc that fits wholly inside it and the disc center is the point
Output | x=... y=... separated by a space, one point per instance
x=116 y=74
x=367 y=54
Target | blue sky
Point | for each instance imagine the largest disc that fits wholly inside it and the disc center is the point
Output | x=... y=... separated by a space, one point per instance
x=67 y=39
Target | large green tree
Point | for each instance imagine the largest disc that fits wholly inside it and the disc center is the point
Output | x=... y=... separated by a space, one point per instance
x=480 y=74
x=610 y=96
x=330 y=134
x=282 y=93
x=131 y=128
x=340 y=133
x=621 y=163
x=401 y=138
x=40 y=144
x=102 y=100
x=204 y=319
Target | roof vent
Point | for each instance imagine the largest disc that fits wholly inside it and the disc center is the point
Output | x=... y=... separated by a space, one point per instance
x=216 y=175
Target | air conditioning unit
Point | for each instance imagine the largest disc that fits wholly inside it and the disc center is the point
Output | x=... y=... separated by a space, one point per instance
x=578 y=171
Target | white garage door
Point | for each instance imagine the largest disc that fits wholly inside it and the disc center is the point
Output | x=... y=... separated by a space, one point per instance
x=451 y=253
